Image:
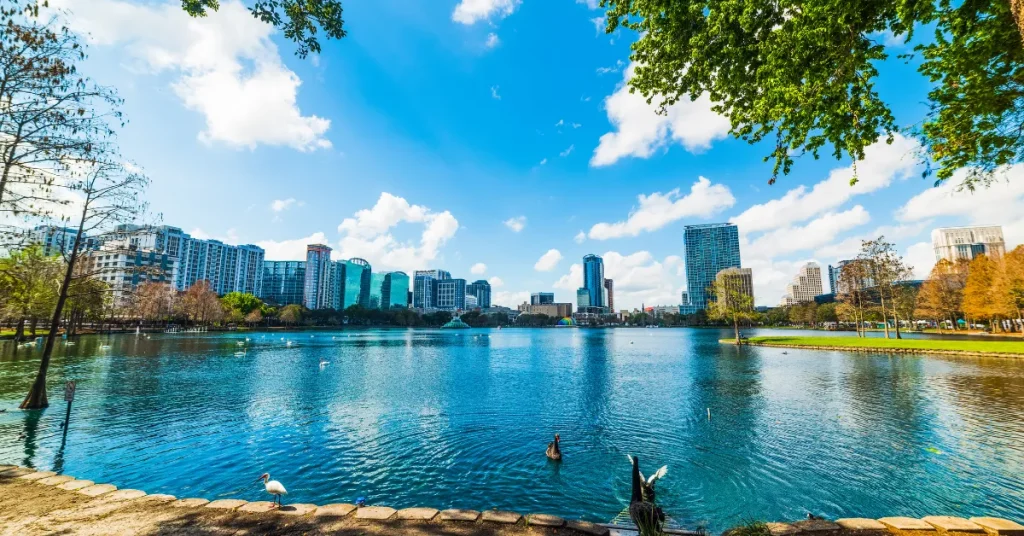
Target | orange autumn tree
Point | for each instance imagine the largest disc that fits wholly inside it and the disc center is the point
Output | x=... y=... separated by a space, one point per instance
x=977 y=292
x=941 y=296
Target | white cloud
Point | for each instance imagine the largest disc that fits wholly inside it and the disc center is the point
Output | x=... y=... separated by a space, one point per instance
x=492 y=40
x=225 y=66
x=771 y=277
x=478 y=269
x=517 y=223
x=850 y=247
x=510 y=299
x=543 y=161
x=658 y=210
x=815 y=234
x=279 y=205
x=921 y=257
x=580 y=237
x=640 y=130
x=560 y=122
x=998 y=204
x=494 y=92
x=882 y=164
x=591 y=4
x=576 y=125
x=619 y=64
x=496 y=282
x=472 y=11
x=288 y=250
x=548 y=261
x=368 y=234
x=567 y=152
x=600 y=24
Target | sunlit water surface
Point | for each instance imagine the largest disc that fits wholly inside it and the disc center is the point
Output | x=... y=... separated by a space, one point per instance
x=462 y=419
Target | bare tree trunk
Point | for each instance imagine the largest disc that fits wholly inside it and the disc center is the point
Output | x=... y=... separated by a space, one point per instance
x=19 y=331
x=1017 y=9
x=36 y=397
x=736 y=328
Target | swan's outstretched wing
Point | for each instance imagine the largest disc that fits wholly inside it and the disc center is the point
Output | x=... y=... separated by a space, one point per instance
x=631 y=463
x=657 y=474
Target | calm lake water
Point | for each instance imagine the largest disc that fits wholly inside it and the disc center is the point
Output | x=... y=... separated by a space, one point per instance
x=461 y=419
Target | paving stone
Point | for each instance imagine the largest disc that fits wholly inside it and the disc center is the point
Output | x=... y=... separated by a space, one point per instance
x=953 y=524
x=905 y=524
x=421 y=514
x=55 y=480
x=258 y=507
x=999 y=527
x=6 y=467
x=226 y=504
x=335 y=510
x=860 y=523
x=125 y=495
x=297 y=509
x=377 y=513
x=189 y=503
x=456 y=514
x=781 y=529
x=545 y=520
x=815 y=525
x=96 y=490
x=587 y=527
x=160 y=497
x=15 y=472
x=76 y=484
x=38 y=475
x=501 y=516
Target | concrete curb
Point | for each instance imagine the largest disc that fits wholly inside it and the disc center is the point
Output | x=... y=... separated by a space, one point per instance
x=897 y=526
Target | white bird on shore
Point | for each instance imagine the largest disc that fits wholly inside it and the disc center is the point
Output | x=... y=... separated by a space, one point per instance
x=273 y=487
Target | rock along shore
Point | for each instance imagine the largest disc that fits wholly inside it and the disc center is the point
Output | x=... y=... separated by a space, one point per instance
x=42 y=502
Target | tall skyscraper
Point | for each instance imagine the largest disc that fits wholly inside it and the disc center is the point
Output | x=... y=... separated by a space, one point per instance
x=365 y=281
x=317 y=291
x=542 y=298
x=593 y=280
x=283 y=282
x=424 y=292
x=450 y=294
x=709 y=248
x=395 y=291
x=805 y=286
x=609 y=292
x=377 y=291
x=481 y=289
x=59 y=240
x=833 y=277
x=966 y=243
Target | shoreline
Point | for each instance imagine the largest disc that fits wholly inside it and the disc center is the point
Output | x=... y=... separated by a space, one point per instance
x=966 y=348
x=43 y=502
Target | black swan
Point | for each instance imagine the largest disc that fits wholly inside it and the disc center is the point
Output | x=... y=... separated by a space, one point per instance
x=645 y=515
x=647 y=484
x=553 y=451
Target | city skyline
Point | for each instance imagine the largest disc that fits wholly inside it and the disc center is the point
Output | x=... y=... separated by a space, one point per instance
x=424 y=140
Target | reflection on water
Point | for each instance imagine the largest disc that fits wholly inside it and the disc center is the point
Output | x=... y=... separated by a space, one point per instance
x=461 y=419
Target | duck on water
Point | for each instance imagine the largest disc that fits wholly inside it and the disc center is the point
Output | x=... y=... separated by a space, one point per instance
x=553 y=452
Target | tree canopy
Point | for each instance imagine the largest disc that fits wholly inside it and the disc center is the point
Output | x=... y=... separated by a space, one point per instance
x=300 y=20
x=802 y=75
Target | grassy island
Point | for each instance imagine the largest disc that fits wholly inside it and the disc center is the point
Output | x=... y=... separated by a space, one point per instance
x=899 y=345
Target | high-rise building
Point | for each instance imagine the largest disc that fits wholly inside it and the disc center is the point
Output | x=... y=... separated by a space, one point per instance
x=377 y=291
x=582 y=298
x=395 y=292
x=424 y=293
x=844 y=285
x=471 y=302
x=709 y=248
x=350 y=275
x=124 y=269
x=283 y=282
x=58 y=240
x=450 y=294
x=966 y=243
x=805 y=286
x=317 y=291
x=557 y=310
x=541 y=298
x=481 y=289
x=365 y=281
x=225 y=267
x=593 y=280
x=735 y=282
x=833 y=277
x=609 y=293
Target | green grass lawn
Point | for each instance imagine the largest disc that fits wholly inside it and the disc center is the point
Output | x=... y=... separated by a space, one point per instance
x=7 y=333
x=994 y=347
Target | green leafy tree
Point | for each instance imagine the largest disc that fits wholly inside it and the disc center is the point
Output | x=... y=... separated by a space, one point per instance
x=732 y=303
x=29 y=283
x=300 y=20
x=242 y=302
x=826 y=313
x=290 y=314
x=802 y=75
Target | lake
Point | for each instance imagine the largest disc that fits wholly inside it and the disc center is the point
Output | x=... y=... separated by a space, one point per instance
x=462 y=418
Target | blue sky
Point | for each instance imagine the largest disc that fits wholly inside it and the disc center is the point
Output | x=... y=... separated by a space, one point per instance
x=491 y=138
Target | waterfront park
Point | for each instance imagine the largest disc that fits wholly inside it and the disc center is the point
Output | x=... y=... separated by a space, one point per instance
x=157 y=404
